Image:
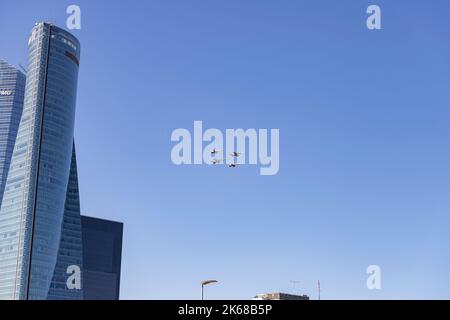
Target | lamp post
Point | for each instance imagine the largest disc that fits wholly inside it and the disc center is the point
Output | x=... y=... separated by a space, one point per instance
x=205 y=283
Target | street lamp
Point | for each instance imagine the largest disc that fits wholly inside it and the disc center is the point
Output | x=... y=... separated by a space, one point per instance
x=205 y=283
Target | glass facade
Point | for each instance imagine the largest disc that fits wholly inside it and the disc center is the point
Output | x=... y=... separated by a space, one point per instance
x=39 y=215
x=70 y=246
x=12 y=90
x=102 y=256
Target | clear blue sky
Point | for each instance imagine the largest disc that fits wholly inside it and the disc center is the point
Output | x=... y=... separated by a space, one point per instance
x=364 y=119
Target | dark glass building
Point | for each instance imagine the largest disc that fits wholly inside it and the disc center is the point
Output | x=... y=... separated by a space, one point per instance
x=102 y=256
x=12 y=90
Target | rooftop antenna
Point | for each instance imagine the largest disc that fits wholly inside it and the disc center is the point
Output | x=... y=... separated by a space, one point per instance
x=294 y=284
x=318 y=287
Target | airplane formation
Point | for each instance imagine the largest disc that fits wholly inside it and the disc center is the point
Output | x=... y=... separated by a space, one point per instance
x=218 y=161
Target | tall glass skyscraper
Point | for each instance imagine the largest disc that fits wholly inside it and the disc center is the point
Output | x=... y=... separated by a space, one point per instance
x=40 y=228
x=12 y=89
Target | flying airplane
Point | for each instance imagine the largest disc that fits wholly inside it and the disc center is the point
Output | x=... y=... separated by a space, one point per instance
x=235 y=154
